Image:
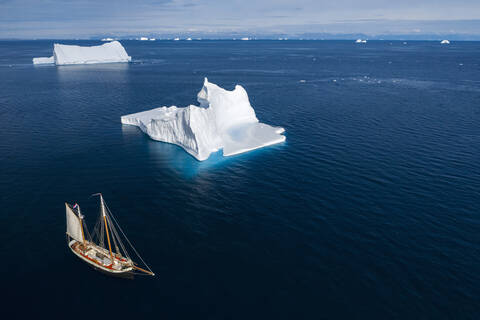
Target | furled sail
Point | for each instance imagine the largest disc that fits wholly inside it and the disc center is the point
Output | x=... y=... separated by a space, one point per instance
x=74 y=227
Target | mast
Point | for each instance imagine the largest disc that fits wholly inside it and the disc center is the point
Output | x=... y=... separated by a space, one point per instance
x=106 y=226
x=80 y=217
x=116 y=237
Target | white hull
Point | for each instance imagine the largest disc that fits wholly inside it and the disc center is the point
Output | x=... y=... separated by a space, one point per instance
x=105 y=264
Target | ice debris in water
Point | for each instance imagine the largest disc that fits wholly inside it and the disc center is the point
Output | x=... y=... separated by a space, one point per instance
x=224 y=120
x=44 y=60
x=71 y=54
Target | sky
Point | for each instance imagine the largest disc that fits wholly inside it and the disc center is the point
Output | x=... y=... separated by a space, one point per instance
x=221 y=18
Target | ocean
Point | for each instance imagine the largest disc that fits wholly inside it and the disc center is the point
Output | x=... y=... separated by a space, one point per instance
x=369 y=209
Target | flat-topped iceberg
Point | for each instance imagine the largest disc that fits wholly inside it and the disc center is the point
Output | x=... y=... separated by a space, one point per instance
x=70 y=54
x=224 y=120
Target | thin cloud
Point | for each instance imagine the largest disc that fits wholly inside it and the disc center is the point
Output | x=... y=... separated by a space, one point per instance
x=84 y=18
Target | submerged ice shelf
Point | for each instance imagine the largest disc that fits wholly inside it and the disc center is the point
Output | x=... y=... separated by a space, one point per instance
x=70 y=54
x=224 y=120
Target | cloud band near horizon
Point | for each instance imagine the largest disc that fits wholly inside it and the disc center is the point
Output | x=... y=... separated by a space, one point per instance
x=88 y=18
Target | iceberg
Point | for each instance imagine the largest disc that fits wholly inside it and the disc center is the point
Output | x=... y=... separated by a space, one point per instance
x=70 y=54
x=360 y=41
x=445 y=42
x=223 y=120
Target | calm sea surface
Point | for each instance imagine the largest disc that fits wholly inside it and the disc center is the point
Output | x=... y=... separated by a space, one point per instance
x=370 y=209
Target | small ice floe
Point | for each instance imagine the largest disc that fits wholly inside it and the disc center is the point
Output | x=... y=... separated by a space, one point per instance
x=360 y=41
x=108 y=39
x=404 y=42
x=444 y=42
x=460 y=64
x=245 y=39
x=176 y=39
x=44 y=60
x=189 y=39
x=152 y=39
x=143 y=38
x=302 y=81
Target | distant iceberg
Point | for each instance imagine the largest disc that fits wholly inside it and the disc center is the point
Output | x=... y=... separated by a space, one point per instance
x=224 y=120
x=108 y=39
x=143 y=38
x=360 y=41
x=71 y=54
x=445 y=42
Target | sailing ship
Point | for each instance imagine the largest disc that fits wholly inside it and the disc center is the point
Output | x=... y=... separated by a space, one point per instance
x=92 y=250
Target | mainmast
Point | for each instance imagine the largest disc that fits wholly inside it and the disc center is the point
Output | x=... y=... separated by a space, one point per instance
x=106 y=226
x=112 y=230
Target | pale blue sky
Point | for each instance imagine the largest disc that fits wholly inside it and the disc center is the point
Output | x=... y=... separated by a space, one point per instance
x=87 y=18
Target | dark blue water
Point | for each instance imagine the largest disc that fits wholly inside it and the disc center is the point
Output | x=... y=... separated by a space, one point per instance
x=370 y=209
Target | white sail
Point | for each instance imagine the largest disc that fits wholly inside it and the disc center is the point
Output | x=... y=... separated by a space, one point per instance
x=74 y=227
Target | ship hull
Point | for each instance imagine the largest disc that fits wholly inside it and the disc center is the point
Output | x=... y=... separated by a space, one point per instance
x=126 y=273
x=123 y=275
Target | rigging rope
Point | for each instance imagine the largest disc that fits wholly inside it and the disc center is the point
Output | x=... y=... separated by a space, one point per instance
x=96 y=231
x=113 y=235
x=116 y=235
x=89 y=237
x=118 y=225
x=102 y=233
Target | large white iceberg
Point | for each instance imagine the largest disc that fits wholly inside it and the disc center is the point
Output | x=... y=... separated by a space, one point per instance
x=224 y=120
x=70 y=54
